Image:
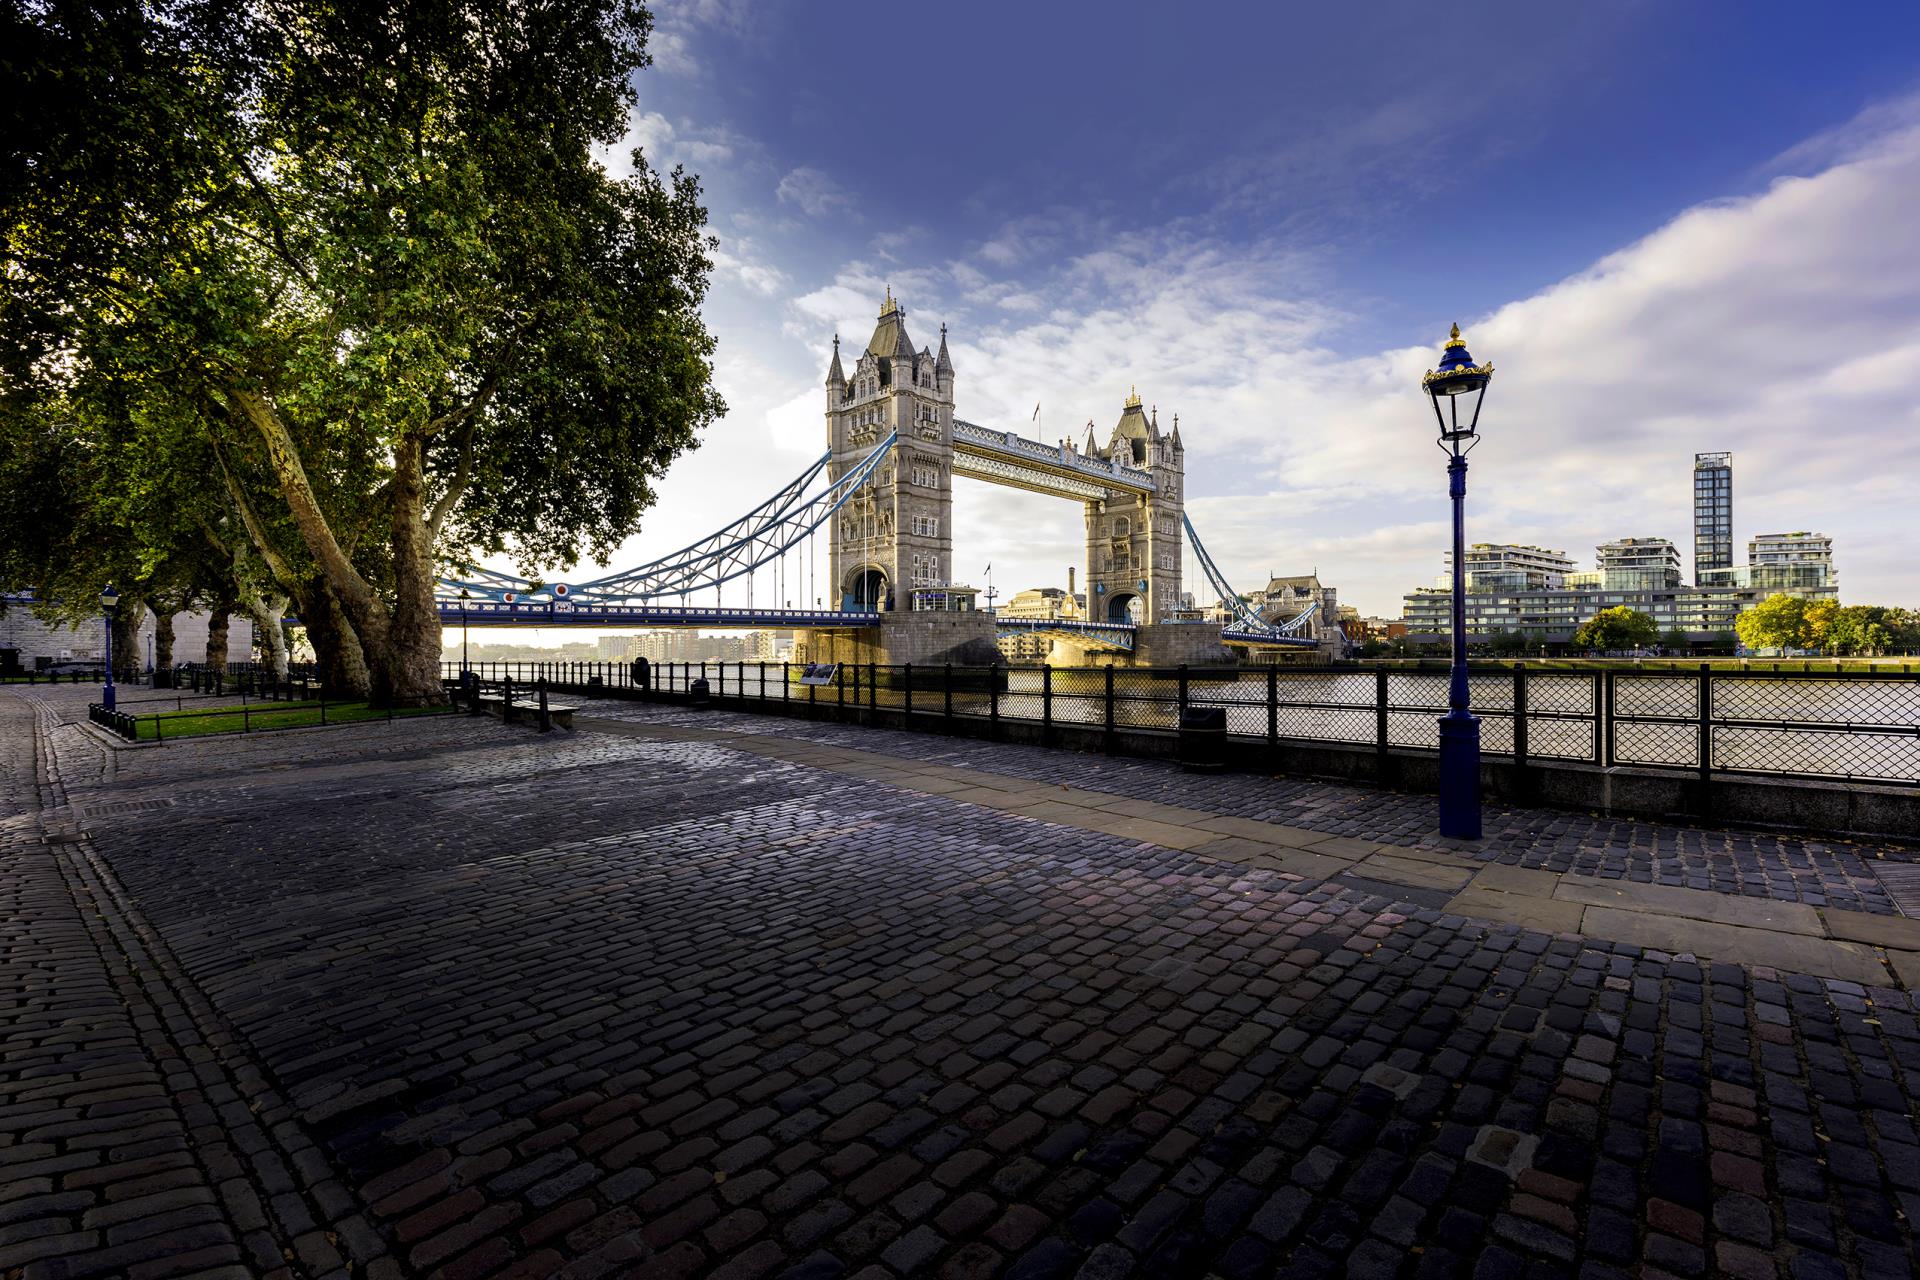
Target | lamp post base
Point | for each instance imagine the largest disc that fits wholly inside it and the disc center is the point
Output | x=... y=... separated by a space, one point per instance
x=1460 y=776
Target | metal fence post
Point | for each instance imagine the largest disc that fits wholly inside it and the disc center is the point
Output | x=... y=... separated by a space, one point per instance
x=840 y=691
x=1181 y=714
x=763 y=684
x=1046 y=704
x=1704 y=708
x=1109 y=743
x=546 y=720
x=1273 y=706
x=1605 y=712
x=1380 y=724
x=873 y=691
x=906 y=675
x=1523 y=778
x=946 y=709
x=786 y=682
x=993 y=703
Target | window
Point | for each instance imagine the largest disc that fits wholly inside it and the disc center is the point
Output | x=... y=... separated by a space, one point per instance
x=926 y=477
x=926 y=526
x=1121 y=526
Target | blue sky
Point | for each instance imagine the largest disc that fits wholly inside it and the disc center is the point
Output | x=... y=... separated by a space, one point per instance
x=1674 y=228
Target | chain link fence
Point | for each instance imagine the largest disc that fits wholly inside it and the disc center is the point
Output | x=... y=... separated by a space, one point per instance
x=1849 y=726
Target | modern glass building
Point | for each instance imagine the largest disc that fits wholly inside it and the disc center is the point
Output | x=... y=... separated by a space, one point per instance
x=1712 y=513
x=1642 y=574
x=1799 y=564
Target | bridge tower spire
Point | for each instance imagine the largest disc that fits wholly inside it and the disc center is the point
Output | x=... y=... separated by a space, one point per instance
x=896 y=535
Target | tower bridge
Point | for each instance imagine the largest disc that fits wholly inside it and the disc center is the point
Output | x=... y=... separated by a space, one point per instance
x=881 y=500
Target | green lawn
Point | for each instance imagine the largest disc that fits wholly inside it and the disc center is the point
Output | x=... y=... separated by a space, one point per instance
x=168 y=725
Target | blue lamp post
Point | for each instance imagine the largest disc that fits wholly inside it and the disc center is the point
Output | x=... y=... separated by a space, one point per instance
x=1457 y=388
x=108 y=599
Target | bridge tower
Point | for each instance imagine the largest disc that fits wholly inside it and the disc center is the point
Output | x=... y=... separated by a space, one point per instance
x=897 y=533
x=1134 y=540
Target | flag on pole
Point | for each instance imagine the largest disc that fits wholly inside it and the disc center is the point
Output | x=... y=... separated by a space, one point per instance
x=1036 y=412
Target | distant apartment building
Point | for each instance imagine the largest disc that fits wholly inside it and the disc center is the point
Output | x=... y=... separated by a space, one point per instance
x=1539 y=593
x=1795 y=563
x=1638 y=564
x=1509 y=566
x=1712 y=514
x=1641 y=574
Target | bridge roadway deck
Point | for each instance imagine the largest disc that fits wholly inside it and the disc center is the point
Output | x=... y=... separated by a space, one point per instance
x=717 y=994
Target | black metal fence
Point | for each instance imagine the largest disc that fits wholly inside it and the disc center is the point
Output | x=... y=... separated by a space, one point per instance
x=249 y=717
x=1857 y=726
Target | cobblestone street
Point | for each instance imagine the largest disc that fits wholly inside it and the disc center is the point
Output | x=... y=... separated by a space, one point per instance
x=709 y=994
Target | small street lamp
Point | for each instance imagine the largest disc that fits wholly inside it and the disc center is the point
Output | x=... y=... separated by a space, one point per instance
x=1457 y=387
x=109 y=598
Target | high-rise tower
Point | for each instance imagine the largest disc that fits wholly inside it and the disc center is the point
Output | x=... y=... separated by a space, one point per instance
x=1712 y=512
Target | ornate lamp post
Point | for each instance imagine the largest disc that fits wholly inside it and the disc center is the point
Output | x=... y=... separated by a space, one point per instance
x=109 y=598
x=1457 y=387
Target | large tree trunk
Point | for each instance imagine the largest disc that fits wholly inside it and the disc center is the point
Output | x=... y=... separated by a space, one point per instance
x=163 y=637
x=217 y=624
x=127 y=617
x=336 y=650
x=414 y=639
x=401 y=645
x=265 y=609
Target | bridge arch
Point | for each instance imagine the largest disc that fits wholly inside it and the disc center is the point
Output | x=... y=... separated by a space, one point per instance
x=1123 y=606
x=865 y=587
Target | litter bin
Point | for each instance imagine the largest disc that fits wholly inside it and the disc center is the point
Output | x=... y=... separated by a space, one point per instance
x=1203 y=739
x=595 y=685
x=700 y=691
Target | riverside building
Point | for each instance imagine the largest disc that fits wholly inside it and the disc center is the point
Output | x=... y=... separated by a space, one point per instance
x=1638 y=573
x=1712 y=513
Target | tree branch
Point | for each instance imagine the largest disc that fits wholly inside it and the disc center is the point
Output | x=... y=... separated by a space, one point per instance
x=462 y=474
x=276 y=564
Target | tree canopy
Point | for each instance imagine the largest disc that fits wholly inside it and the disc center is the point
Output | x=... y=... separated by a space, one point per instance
x=353 y=280
x=1790 y=622
x=1616 y=628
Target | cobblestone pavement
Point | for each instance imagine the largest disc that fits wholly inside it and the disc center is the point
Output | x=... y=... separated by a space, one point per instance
x=1813 y=870
x=452 y=998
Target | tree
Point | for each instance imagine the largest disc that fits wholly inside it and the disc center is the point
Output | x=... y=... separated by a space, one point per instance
x=371 y=254
x=1675 y=639
x=1616 y=628
x=1816 y=623
x=1778 y=622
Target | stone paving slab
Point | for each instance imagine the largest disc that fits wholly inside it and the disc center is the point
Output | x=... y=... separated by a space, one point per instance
x=1791 y=951
x=661 y=1005
x=1654 y=899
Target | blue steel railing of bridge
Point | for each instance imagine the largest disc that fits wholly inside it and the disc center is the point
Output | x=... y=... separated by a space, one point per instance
x=542 y=613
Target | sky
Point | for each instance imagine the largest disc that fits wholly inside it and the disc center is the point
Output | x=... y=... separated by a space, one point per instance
x=1672 y=228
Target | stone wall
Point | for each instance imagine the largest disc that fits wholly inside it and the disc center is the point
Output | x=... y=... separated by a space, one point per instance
x=37 y=640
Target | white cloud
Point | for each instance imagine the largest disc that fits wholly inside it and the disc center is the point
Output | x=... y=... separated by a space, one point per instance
x=741 y=259
x=815 y=193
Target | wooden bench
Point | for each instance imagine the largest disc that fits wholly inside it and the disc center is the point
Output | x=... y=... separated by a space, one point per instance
x=525 y=707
